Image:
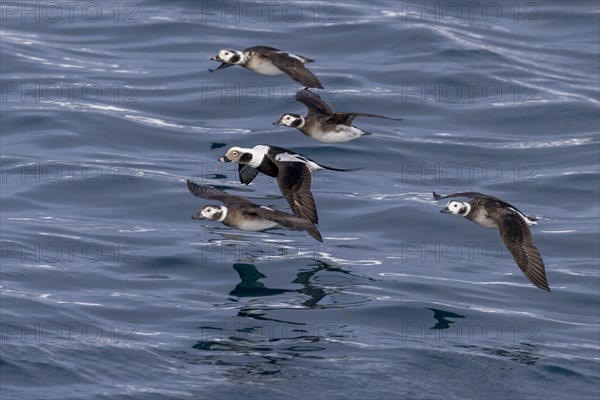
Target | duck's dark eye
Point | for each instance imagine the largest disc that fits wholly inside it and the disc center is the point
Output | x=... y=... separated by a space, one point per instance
x=235 y=153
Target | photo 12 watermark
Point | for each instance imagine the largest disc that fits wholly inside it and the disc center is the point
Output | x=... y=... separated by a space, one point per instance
x=469 y=172
x=253 y=12
x=268 y=252
x=54 y=12
x=253 y=92
x=469 y=332
x=449 y=252
x=66 y=331
x=69 y=92
x=267 y=331
x=453 y=332
x=69 y=171
x=460 y=12
x=65 y=250
x=469 y=92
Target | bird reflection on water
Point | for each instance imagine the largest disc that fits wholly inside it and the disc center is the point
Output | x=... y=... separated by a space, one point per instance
x=257 y=343
x=441 y=315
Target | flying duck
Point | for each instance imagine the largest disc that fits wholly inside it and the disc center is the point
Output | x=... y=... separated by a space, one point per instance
x=322 y=123
x=491 y=212
x=239 y=212
x=269 y=61
x=292 y=170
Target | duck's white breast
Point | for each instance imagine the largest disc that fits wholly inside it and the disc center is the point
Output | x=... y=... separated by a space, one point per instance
x=263 y=66
x=338 y=135
x=256 y=225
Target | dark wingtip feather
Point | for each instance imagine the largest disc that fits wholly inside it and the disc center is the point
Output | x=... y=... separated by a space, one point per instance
x=200 y=190
x=192 y=187
x=542 y=284
x=314 y=232
x=309 y=80
x=247 y=174
x=539 y=281
x=313 y=84
x=436 y=196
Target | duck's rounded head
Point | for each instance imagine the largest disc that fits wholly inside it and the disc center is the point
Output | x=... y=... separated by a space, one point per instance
x=293 y=120
x=213 y=213
x=456 y=208
x=229 y=56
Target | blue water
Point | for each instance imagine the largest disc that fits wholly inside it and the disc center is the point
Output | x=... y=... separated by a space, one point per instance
x=111 y=291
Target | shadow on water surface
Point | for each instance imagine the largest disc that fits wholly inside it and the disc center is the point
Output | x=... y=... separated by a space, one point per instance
x=315 y=292
x=250 y=285
x=441 y=315
x=257 y=342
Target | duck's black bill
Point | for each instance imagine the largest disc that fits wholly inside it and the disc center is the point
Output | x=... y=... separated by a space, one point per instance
x=197 y=216
x=278 y=122
x=224 y=159
x=445 y=210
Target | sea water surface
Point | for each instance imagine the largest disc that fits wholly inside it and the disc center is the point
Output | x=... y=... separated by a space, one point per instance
x=111 y=291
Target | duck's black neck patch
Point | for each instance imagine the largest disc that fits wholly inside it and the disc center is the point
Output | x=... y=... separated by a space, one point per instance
x=245 y=158
x=235 y=59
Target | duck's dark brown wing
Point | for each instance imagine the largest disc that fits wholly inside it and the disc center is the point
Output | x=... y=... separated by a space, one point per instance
x=294 y=68
x=346 y=118
x=211 y=193
x=289 y=221
x=314 y=232
x=517 y=237
x=294 y=183
x=284 y=219
x=265 y=49
x=246 y=173
x=313 y=103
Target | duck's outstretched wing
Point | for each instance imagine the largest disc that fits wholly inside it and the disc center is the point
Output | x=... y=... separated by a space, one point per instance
x=517 y=237
x=211 y=193
x=313 y=103
x=294 y=68
x=346 y=118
